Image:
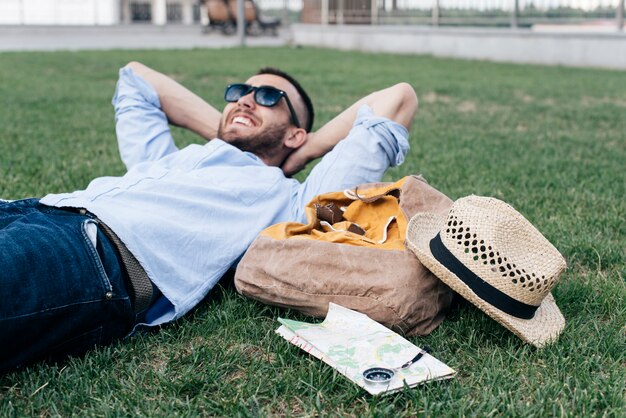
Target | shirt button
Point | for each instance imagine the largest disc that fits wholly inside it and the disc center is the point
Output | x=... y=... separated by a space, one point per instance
x=109 y=295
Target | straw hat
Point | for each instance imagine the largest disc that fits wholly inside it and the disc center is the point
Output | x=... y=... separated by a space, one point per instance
x=492 y=256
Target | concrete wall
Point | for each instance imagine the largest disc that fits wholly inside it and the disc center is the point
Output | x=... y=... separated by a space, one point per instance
x=605 y=50
x=59 y=12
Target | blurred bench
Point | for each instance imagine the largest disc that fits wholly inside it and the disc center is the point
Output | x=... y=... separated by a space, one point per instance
x=222 y=15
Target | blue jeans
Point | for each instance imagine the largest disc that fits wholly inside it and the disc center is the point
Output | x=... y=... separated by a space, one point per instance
x=59 y=295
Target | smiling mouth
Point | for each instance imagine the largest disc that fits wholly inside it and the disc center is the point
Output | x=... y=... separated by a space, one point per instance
x=243 y=120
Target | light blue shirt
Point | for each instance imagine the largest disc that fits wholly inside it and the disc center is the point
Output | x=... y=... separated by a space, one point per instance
x=188 y=215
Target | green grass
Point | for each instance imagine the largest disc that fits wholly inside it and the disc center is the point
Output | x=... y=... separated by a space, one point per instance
x=548 y=140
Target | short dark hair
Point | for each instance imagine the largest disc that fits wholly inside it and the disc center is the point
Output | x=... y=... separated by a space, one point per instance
x=305 y=97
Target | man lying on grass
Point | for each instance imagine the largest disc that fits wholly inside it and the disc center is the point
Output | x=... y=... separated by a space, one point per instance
x=85 y=268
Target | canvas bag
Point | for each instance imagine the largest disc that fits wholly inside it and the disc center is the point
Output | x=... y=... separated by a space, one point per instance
x=355 y=257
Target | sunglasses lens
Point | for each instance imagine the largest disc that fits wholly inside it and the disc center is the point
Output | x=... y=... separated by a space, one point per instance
x=234 y=92
x=267 y=96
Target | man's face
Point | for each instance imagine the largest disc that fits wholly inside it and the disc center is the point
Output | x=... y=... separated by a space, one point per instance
x=255 y=128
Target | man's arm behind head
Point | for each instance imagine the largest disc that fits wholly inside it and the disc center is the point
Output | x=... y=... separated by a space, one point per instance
x=182 y=107
x=398 y=103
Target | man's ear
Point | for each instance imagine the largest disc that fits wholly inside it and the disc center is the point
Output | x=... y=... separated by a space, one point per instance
x=295 y=138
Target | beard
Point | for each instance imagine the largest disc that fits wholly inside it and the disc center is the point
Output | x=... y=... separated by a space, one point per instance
x=262 y=144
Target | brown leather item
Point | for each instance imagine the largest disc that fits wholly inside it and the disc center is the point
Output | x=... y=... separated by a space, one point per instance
x=303 y=271
x=329 y=213
x=355 y=229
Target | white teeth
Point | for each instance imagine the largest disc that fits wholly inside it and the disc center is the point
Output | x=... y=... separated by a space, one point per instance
x=242 y=120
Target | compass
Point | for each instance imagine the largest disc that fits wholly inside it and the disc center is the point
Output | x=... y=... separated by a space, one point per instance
x=378 y=376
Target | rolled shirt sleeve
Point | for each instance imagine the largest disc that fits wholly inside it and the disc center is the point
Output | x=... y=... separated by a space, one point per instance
x=142 y=129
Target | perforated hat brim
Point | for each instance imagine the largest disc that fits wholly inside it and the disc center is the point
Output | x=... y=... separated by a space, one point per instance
x=544 y=327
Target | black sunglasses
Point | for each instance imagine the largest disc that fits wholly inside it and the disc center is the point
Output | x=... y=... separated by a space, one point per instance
x=266 y=96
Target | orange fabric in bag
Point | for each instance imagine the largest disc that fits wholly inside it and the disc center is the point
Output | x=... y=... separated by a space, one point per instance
x=382 y=220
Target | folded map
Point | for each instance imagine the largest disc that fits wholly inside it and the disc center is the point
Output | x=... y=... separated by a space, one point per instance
x=351 y=342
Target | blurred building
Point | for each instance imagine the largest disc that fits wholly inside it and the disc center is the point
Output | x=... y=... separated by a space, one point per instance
x=97 y=12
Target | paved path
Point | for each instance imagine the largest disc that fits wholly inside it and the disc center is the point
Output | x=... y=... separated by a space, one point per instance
x=137 y=36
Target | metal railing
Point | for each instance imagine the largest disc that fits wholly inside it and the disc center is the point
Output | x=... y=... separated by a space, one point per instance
x=597 y=14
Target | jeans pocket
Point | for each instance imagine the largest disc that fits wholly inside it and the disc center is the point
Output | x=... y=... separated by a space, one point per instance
x=89 y=229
